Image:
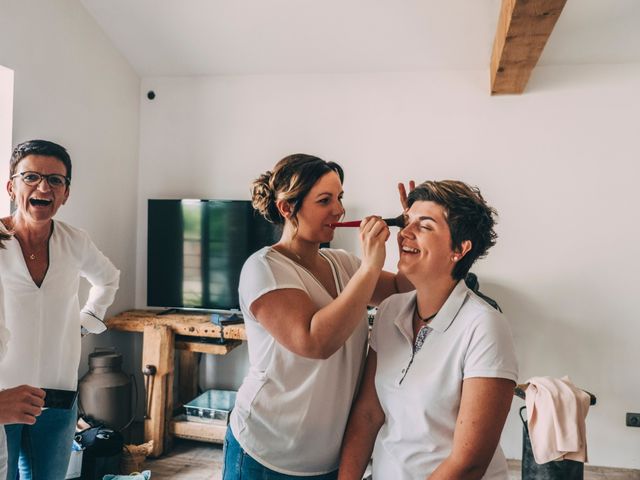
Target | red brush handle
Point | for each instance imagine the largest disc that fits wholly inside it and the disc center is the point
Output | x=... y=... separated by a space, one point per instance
x=354 y=223
x=392 y=222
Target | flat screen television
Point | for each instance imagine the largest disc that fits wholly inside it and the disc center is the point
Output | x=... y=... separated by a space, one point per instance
x=196 y=249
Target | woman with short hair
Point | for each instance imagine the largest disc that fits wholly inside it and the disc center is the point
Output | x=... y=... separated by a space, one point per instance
x=441 y=366
x=41 y=269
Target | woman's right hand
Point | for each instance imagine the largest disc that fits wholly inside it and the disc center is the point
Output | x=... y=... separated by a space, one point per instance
x=21 y=404
x=374 y=233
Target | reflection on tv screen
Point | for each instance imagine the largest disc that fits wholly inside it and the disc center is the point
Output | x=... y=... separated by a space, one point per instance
x=196 y=249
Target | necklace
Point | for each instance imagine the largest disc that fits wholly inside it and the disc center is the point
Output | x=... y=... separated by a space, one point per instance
x=289 y=252
x=424 y=320
x=34 y=253
x=32 y=256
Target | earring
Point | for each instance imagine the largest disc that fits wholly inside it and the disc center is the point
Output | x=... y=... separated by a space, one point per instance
x=455 y=258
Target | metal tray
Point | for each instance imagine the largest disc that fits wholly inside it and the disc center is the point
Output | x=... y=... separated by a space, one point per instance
x=213 y=406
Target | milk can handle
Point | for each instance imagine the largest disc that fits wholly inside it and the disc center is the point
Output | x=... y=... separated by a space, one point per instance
x=135 y=404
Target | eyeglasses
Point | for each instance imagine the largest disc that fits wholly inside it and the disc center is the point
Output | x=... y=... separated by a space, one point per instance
x=55 y=180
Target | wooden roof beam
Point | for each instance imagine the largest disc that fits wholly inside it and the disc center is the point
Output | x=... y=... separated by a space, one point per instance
x=524 y=27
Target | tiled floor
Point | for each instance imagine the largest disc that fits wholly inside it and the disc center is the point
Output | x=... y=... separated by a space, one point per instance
x=202 y=461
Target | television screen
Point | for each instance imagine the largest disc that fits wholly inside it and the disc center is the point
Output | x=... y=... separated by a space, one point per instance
x=196 y=249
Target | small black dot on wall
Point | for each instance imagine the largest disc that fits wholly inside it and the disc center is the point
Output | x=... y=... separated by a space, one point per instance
x=151 y=94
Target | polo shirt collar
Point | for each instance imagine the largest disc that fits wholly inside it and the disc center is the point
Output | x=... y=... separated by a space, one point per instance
x=451 y=307
x=443 y=320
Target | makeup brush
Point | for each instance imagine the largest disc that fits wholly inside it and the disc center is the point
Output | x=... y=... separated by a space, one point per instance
x=392 y=222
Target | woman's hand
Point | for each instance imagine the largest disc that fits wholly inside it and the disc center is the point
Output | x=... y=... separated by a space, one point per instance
x=374 y=232
x=403 y=193
x=21 y=404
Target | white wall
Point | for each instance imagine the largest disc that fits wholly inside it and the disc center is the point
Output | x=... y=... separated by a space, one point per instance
x=6 y=123
x=559 y=163
x=72 y=87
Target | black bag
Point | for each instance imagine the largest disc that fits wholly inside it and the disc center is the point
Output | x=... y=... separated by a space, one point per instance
x=100 y=441
x=561 y=470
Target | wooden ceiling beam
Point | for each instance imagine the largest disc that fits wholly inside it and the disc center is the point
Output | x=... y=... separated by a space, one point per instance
x=523 y=29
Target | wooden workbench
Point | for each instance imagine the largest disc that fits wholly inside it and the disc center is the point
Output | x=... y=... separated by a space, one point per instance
x=162 y=336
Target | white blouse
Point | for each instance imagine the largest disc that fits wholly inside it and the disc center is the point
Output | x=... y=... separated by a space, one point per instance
x=291 y=411
x=45 y=321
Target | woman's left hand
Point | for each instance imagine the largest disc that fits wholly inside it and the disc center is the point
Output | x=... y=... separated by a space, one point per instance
x=403 y=193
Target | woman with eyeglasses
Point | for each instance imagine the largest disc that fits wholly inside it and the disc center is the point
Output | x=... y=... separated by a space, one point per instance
x=40 y=271
x=306 y=321
x=441 y=366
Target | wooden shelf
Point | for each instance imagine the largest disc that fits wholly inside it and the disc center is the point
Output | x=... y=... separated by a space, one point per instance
x=212 y=348
x=191 y=324
x=203 y=432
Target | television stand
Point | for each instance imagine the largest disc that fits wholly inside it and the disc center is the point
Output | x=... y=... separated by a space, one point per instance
x=162 y=336
x=198 y=311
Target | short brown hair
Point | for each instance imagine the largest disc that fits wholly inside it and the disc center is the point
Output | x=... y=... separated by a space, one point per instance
x=39 y=147
x=291 y=180
x=467 y=214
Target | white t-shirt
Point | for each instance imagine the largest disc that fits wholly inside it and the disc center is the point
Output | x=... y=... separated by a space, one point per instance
x=421 y=401
x=45 y=321
x=291 y=411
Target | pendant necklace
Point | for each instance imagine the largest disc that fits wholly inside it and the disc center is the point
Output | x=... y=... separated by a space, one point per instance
x=424 y=320
x=33 y=255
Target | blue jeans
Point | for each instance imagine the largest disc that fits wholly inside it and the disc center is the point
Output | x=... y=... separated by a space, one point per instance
x=41 y=451
x=238 y=465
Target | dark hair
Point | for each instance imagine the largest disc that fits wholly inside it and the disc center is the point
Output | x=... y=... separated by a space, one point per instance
x=4 y=235
x=467 y=214
x=39 y=147
x=291 y=180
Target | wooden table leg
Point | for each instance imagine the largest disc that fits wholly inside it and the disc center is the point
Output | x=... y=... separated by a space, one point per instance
x=158 y=350
x=187 y=375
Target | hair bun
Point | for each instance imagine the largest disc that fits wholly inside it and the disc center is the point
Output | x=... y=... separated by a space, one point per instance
x=263 y=198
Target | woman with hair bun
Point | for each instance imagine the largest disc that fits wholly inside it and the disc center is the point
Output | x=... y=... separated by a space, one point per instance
x=306 y=323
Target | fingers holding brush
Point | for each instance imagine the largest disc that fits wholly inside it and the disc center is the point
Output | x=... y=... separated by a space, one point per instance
x=374 y=232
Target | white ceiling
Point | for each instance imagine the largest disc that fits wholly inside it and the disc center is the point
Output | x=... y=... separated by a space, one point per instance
x=226 y=37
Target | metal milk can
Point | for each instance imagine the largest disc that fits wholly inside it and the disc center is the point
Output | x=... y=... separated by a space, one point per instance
x=105 y=391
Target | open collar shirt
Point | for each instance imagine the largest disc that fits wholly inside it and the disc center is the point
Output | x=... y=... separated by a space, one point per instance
x=420 y=388
x=45 y=321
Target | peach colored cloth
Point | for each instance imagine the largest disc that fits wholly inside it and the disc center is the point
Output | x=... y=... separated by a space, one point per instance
x=556 y=412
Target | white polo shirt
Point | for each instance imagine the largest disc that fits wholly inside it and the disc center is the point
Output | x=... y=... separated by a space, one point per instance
x=291 y=411
x=421 y=401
